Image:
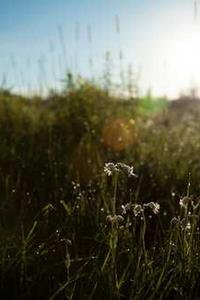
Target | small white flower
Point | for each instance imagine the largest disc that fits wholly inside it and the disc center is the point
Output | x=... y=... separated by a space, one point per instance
x=137 y=210
x=154 y=206
x=114 y=220
x=128 y=170
x=184 y=202
x=126 y=208
x=110 y=168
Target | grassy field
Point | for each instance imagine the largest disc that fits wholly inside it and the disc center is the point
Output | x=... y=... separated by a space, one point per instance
x=99 y=197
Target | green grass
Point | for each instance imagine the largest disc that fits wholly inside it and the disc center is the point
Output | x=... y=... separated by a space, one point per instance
x=69 y=231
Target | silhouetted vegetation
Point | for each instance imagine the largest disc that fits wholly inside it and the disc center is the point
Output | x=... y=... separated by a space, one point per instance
x=75 y=228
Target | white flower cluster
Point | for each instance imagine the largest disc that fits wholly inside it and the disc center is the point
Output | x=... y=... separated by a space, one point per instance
x=138 y=209
x=190 y=207
x=154 y=206
x=114 y=220
x=111 y=168
x=184 y=202
x=188 y=201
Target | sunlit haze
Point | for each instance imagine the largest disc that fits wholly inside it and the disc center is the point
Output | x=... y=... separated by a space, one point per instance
x=159 y=39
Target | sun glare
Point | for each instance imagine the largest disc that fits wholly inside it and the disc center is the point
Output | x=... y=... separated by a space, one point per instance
x=182 y=60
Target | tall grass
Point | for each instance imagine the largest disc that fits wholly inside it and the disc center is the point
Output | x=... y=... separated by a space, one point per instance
x=70 y=231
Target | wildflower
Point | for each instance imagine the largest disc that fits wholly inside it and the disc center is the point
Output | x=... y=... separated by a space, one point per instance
x=126 y=208
x=114 y=220
x=126 y=169
x=154 y=206
x=184 y=202
x=137 y=209
x=110 y=168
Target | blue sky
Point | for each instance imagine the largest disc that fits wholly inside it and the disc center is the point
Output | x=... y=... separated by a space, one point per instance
x=41 y=39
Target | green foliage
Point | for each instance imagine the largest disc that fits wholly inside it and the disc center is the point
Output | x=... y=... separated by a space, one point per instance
x=68 y=230
x=149 y=105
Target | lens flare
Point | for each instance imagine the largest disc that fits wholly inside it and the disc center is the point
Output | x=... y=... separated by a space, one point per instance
x=118 y=134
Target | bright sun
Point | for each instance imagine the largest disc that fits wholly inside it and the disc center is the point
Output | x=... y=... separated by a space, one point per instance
x=182 y=60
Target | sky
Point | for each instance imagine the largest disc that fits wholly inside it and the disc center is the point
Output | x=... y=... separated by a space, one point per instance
x=159 y=42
